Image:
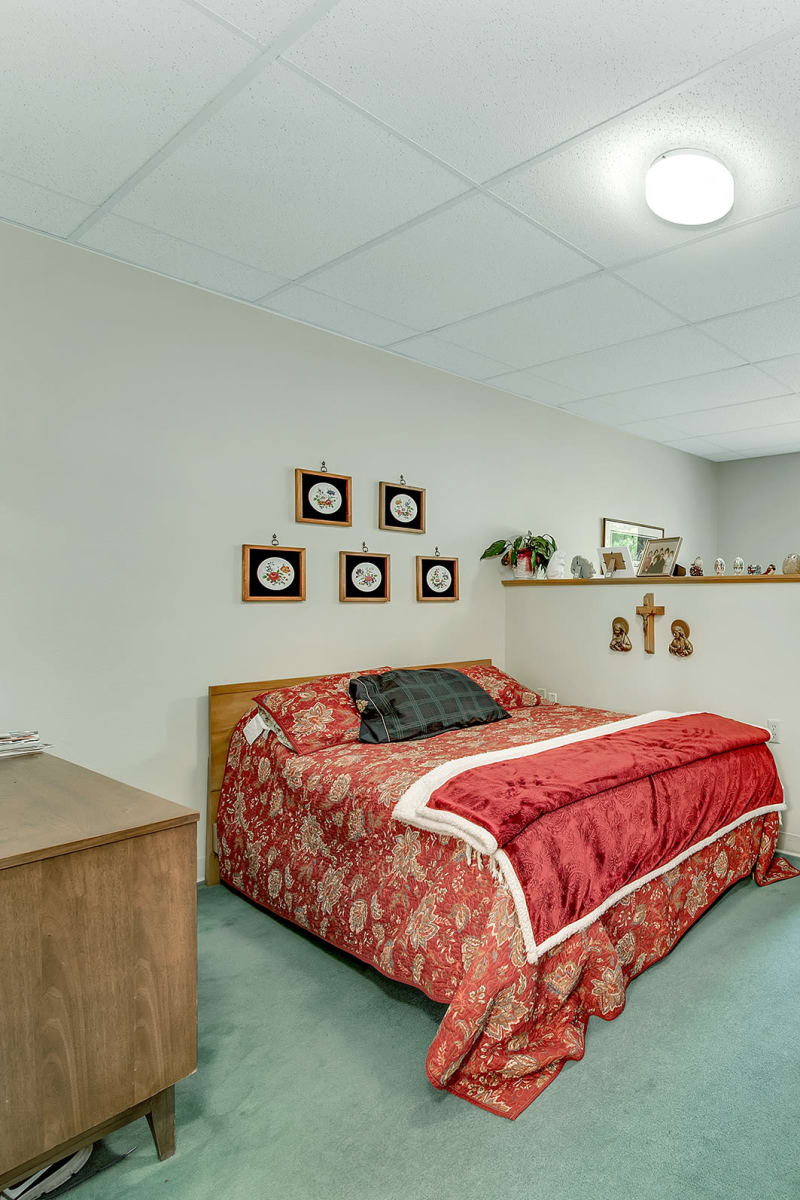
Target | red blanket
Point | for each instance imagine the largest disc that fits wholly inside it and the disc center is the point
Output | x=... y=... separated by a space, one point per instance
x=581 y=825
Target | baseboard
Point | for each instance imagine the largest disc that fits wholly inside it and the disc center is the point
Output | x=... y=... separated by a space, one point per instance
x=789 y=843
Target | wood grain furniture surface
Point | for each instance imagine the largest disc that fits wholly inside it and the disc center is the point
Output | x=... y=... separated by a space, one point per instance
x=98 y=946
x=227 y=704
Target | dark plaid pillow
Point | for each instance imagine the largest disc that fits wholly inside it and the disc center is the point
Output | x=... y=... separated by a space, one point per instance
x=400 y=705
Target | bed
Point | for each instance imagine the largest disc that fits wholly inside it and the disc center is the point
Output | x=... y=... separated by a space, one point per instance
x=313 y=838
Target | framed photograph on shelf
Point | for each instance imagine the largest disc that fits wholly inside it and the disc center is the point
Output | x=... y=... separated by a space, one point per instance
x=364 y=577
x=615 y=562
x=273 y=573
x=437 y=578
x=660 y=557
x=401 y=507
x=616 y=534
x=321 y=498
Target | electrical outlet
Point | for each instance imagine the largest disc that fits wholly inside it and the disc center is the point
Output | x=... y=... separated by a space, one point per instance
x=552 y=697
x=774 y=727
x=541 y=691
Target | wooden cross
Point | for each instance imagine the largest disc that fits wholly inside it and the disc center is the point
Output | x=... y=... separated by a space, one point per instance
x=648 y=611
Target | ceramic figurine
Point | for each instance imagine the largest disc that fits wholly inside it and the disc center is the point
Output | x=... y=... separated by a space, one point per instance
x=680 y=645
x=696 y=568
x=619 y=635
x=719 y=566
x=557 y=567
x=791 y=564
x=771 y=569
x=581 y=568
x=754 y=569
x=738 y=565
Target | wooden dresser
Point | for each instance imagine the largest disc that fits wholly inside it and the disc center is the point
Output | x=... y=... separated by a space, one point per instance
x=98 y=960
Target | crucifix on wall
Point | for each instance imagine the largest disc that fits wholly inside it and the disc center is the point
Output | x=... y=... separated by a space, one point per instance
x=648 y=611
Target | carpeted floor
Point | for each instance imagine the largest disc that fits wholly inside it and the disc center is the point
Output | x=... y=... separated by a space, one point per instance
x=312 y=1082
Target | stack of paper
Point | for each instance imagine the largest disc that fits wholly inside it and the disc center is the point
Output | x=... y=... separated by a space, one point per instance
x=20 y=741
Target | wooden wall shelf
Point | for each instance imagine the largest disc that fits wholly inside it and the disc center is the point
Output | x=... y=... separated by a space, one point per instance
x=652 y=580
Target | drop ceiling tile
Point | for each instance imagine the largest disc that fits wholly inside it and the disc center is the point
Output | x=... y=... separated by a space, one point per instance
x=303 y=304
x=472 y=256
x=785 y=369
x=773 y=437
x=286 y=177
x=759 y=333
x=39 y=208
x=437 y=353
x=653 y=359
x=748 y=265
x=702 y=447
x=775 y=410
x=264 y=20
x=592 y=192
x=713 y=390
x=90 y=90
x=159 y=252
x=533 y=387
x=591 y=313
x=656 y=430
x=486 y=87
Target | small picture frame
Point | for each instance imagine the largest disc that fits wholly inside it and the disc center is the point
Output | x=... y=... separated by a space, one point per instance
x=437 y=578
x=364 y=577
x=659 y=558
x=273 y=573
x=615 y=562
x=322 y=498
x=401 y=507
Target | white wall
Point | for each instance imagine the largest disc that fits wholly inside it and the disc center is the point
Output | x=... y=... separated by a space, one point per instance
x=151 y=428
x=744 y=663
x=759 y=508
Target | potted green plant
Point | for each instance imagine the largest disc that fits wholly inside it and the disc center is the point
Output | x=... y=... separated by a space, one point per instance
x=528 y=553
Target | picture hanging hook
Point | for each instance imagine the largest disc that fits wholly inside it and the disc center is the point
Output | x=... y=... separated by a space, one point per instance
x=275 y=540
x=436 y=553
x=364 y=548
x=323 y=468
x=402 y=479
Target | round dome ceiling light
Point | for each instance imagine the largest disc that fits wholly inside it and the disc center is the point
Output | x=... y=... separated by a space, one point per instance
x=689 y=187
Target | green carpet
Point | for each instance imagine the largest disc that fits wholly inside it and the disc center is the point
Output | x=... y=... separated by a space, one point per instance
x=312 y=1082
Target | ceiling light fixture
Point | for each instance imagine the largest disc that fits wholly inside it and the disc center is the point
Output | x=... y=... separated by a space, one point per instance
x=689 y=187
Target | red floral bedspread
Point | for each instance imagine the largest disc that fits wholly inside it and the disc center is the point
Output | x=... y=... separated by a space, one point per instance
x=312 y=838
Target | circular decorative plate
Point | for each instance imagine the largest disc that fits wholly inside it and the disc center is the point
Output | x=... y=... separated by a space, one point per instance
x=438 y=578
x=403 y=507
x=275 y=574
x=366 y=576
x=325 y=498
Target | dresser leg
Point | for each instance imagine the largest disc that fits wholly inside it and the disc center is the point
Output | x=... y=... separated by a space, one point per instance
x=161 y=1120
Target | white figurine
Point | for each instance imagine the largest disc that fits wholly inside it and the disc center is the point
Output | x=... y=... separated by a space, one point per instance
x=696 y=568
x=791 y=564
x=557 y=567
x=738 y=565
x=719 y=566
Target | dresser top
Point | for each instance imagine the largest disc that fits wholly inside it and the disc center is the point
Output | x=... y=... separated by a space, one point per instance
x=49 y=806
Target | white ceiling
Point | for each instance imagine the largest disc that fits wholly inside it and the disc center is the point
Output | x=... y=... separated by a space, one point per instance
x=456 y=181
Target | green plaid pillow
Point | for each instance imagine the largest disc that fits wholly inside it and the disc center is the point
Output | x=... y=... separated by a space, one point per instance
x=399 y=705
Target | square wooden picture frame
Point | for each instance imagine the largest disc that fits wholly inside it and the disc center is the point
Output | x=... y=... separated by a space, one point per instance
x=273 y=573
x=401 y=507
x=322 y=498
x=364 y=577
x=437 y=578
x=659 y=558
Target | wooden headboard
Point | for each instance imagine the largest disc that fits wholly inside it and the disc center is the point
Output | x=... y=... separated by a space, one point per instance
x=227 y=703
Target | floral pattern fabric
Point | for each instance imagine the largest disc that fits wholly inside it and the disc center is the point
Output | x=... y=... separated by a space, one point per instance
x=316 y=713
x=311 y=837
x=504 y=689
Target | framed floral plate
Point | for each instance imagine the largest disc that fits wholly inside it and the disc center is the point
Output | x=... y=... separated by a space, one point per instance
x=273 y=573
x=437 y=578
x=401 y=507
x=364 y=577
x=321 y=498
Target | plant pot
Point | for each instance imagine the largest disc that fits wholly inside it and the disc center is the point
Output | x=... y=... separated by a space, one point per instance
x=523 y=568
